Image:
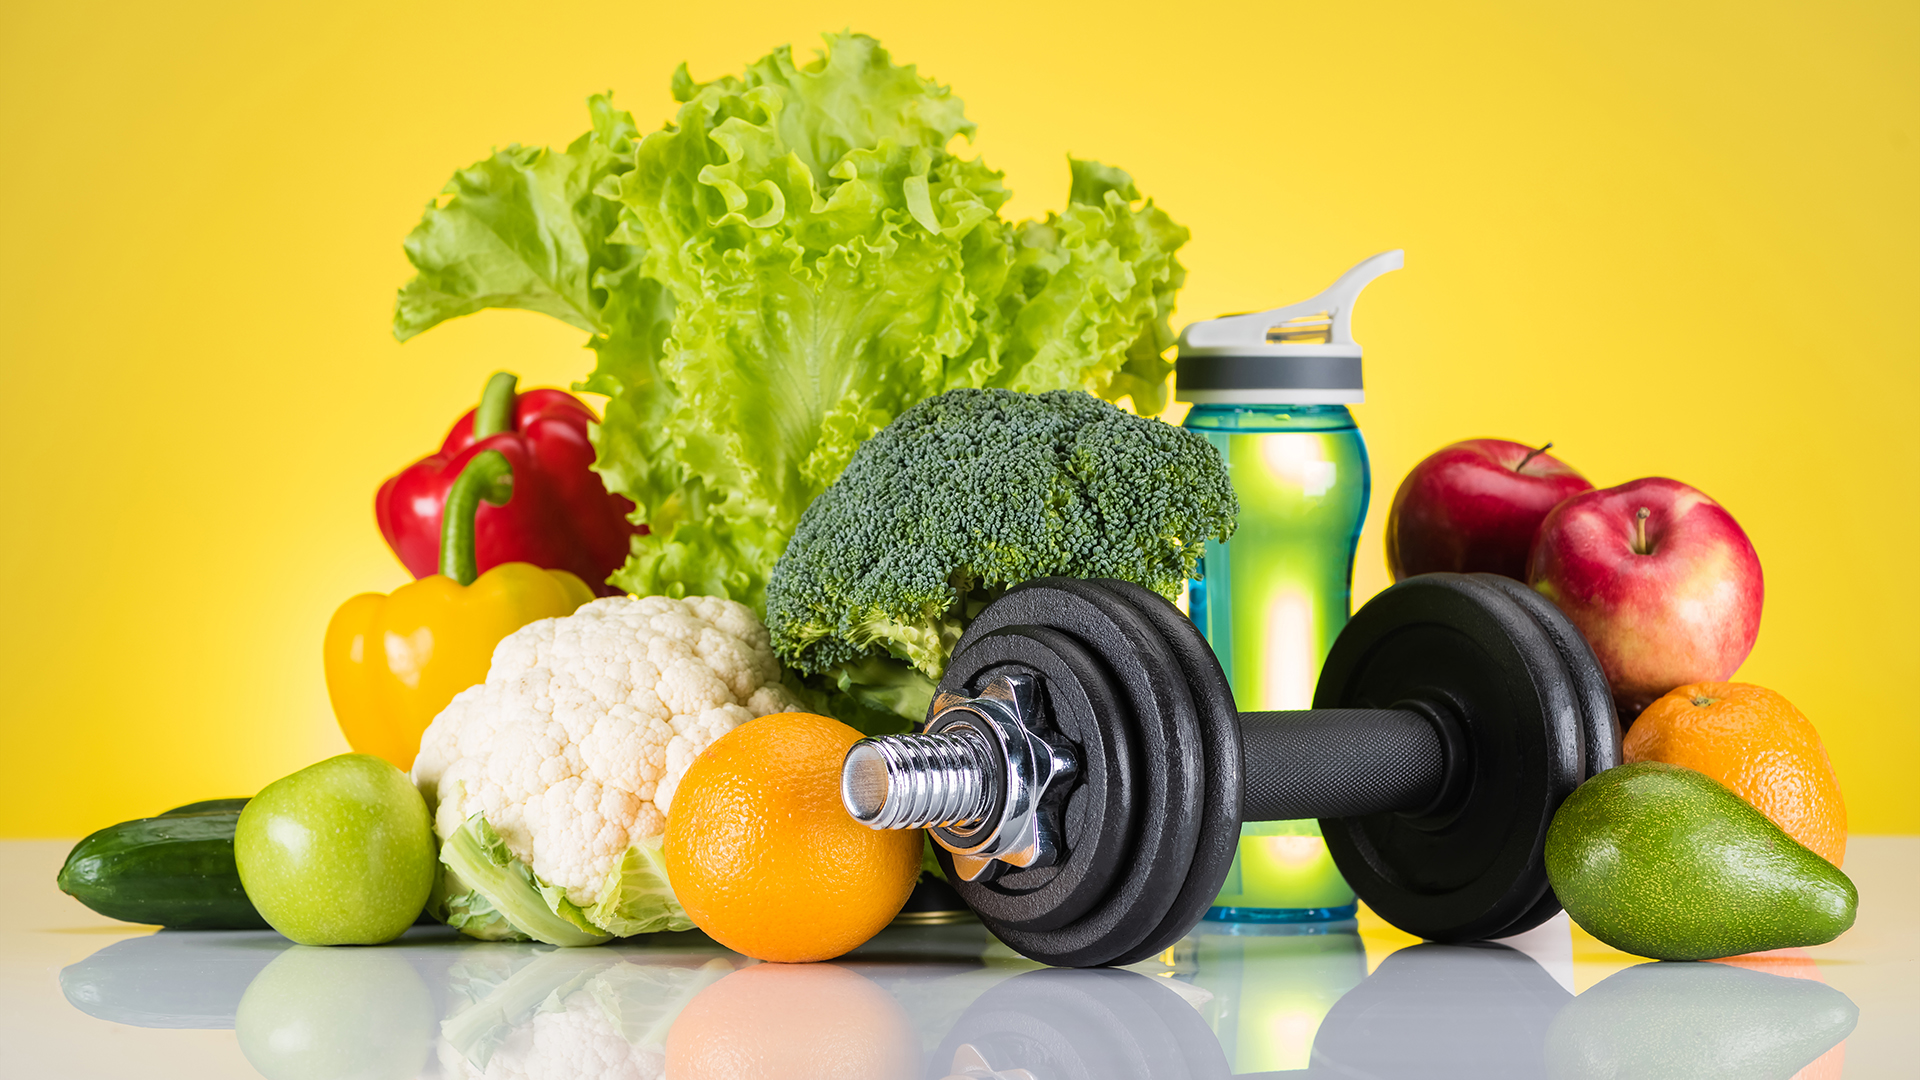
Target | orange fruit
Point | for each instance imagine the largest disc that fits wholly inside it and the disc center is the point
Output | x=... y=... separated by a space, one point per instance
x=781 y=1022
x=765 y=858
x=1757 y=744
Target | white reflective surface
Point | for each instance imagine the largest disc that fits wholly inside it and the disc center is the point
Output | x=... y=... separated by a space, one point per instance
x=83 y=997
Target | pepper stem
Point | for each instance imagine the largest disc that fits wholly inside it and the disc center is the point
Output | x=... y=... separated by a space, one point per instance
x=495 y=413
x=1640 y=546
x=489 y=476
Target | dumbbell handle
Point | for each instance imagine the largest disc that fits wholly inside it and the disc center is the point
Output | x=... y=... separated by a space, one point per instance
x=1320 y=763
x=1335 y=763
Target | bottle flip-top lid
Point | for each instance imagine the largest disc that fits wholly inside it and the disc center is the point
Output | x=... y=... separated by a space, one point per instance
x=1301 y=354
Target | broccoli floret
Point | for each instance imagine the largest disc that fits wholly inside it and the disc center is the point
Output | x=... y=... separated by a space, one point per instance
x=966 y=495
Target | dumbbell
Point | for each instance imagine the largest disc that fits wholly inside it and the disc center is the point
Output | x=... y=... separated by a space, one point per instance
x=1084 y=773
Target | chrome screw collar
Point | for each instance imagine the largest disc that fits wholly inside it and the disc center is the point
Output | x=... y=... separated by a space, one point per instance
x=981 y=776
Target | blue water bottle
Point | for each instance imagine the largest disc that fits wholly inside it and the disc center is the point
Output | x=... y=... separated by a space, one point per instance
x=1270 y=390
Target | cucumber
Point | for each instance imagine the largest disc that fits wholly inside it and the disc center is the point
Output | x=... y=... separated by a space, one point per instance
x=176 y=871
x=208 y=806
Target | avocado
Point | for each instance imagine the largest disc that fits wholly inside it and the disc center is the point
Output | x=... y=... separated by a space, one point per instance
x=1662 y=861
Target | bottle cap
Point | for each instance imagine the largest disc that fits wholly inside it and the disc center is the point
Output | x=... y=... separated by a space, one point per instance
x=1301 y=354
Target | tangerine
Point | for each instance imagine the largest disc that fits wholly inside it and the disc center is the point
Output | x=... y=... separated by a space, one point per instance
x=1759 y=746
x=764 y=856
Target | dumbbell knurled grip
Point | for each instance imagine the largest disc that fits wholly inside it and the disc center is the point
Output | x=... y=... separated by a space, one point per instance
x=1334 y=763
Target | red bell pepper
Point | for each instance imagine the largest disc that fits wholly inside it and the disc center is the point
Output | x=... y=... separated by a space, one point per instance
x=561 y=516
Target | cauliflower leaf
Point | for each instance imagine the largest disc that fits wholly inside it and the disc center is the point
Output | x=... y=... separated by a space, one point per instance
x=484 y=865
x=638 y=898
x=468 y=910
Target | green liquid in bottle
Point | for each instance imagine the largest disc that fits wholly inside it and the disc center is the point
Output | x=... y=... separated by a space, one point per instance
x=1270 y=602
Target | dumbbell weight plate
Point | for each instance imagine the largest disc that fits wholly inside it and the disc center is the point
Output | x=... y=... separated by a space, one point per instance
x=1220 y=732
x=1079 y=700
x=1472 y=868
x=1166 y=735
x=1600 y=725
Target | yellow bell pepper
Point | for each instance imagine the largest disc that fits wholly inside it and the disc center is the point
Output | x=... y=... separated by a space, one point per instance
x=394 y=661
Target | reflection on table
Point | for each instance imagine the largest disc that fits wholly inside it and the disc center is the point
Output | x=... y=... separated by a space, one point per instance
x=1269 y=986
x=948 y=1002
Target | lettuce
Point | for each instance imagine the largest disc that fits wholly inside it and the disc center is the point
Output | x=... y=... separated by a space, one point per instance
x=522 y=229
x=775 y=276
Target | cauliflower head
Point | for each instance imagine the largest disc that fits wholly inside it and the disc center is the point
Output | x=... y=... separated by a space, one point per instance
x=572 y=748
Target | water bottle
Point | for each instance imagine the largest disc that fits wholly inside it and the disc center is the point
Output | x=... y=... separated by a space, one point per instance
x=1270 y=391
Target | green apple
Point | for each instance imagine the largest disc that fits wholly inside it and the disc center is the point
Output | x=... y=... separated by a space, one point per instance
x=329 y=1014
x=339 y=853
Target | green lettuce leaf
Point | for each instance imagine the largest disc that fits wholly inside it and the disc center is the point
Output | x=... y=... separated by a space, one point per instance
x=1097 y=284
x=522 y=229
x=775 y=276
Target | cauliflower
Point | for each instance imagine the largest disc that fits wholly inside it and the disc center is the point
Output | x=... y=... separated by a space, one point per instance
x=568 y=756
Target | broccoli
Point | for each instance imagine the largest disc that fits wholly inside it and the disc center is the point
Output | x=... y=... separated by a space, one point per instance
x=963 y=496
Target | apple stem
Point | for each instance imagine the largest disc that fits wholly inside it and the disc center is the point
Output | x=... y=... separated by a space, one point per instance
x=1640 y=546
x=1531 y=454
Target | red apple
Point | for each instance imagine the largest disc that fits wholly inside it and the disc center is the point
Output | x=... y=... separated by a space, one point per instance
x=1661 y=580
x=1473 y=507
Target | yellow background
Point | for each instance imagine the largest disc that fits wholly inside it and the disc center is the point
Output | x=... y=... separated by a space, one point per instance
x=1674 y=238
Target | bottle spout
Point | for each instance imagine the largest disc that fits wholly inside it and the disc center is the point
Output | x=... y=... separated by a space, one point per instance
x=1326 y=319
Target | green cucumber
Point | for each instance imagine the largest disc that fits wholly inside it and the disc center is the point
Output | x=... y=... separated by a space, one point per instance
x=208 y=806
x=176 y=871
